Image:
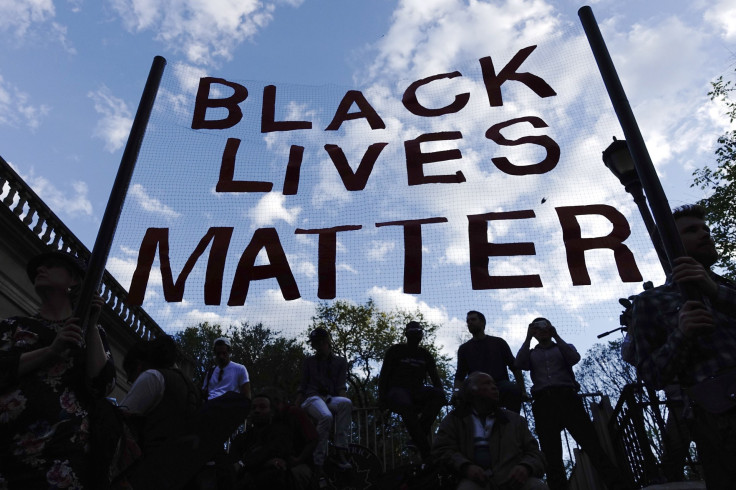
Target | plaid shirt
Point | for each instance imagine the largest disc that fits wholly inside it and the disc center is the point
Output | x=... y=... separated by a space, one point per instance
x=664 y=352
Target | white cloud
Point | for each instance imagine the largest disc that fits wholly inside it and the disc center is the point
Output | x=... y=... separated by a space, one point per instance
x=20 y=15
x=151 y=204
x=394 y=299
x=202 y=31
x=722 y=14
x=16 y=109
x=379 y=249
x=271 y=208
x=73 y=202
x=116 y=121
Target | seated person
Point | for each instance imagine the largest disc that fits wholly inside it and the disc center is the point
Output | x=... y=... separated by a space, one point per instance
x=485 y=445
x=322 y=394
x=401 y=387
x=269 y=453
x=303 y=431
x=226 y=375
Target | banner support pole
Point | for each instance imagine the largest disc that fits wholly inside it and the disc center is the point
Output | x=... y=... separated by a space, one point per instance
x=106 y=232
x=642 y=162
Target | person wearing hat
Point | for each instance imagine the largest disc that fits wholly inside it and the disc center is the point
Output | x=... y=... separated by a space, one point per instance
x=402 y=389
x=51 y=372
x=322 y=395
x=225 y=375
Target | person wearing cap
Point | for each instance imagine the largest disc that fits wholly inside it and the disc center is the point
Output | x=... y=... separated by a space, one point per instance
x=322 y=395
x=225 y=375
x=51 y=372
x=402 y=389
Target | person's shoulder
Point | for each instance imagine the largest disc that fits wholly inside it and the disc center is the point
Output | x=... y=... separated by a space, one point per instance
x=668 y=289
x=394 y=348
x=654 y=298
x=497 y=342
x=238 y=366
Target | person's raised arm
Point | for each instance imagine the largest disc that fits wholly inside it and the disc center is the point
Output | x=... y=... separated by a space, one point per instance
x=568 y=351
x=523 y=357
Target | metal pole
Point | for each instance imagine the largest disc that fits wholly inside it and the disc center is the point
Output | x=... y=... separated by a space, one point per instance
x=643 y=163
x=106 y=233
x=637 y=193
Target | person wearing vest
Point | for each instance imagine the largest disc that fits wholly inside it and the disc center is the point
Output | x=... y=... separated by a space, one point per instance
x=557 y=405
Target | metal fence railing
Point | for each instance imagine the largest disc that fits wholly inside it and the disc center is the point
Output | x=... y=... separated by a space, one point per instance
x=17 y=198
x=652 y=438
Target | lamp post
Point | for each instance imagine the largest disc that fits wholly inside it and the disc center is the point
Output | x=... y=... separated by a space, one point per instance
x=618 y=160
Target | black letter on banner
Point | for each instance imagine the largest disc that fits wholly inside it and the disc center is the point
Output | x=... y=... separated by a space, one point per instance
x=575 y=245
x=412 y=250
x=227 y=171
x=174 y=291
x=202 y=102
x=503 y=163
x=293 y=169
x=493 y=82
x=326 y=257
x=355 y=181
x=278 y=267
x=366 y=111
x=480 y=250
x=415 y=159
x=412 y=104
x=268 y=113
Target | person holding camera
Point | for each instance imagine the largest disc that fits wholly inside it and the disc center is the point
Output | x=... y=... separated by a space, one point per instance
x=557 y=406
x=322 y=395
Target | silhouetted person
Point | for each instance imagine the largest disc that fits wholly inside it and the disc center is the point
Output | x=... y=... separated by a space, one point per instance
x=269 y=454
x=162 y=405
x=225 y=375
x=695 y=343
x=557 y=405
x=487 y=446
x=402 y=390
x=322 y=395
x=490 y=355
x=51 y=372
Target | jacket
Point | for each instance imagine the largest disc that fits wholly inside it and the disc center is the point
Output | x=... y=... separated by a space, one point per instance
x=511 y=444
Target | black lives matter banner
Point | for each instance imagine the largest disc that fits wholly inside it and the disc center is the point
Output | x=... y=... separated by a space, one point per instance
x=479 y=184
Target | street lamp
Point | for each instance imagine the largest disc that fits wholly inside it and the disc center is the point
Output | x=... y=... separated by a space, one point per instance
x=618 y=160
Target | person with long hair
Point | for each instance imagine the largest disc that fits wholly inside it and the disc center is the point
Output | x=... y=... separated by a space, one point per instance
x=51 y=372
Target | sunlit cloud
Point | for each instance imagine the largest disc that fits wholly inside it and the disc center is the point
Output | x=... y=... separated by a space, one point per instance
x=203 y=32
x=271 y=208
x=151 y=204
x=114 y=126
x=16 y=108
x=19 y=15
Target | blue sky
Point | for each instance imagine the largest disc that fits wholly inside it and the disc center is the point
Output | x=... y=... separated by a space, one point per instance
x=71 y=75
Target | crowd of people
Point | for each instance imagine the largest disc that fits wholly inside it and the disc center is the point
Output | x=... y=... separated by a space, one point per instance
x=58 y=431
